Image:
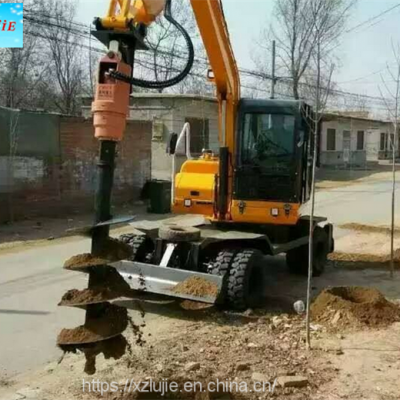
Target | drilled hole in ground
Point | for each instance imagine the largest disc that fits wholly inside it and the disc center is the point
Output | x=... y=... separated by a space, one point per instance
x=354 y=294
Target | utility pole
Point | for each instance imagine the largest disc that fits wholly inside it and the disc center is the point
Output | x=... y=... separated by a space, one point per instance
x=273 y=69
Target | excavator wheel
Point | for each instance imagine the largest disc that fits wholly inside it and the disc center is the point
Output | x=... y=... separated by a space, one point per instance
x=142 y=247
x=222 y=263
x=297 y=259
x=246 y=279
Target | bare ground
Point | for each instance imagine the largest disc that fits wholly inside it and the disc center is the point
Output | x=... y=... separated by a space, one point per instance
x=352 y=365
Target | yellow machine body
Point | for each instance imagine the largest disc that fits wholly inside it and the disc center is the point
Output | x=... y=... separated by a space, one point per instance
x=195 y=193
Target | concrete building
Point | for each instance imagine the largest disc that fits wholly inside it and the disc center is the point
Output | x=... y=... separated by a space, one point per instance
x=168 y=113
x=354 y=141
x=348 y=139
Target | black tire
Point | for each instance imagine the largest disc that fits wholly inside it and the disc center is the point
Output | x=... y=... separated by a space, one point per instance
x=176 y=233
x=297 y=259
x=222 y=263
x=246 y=279
x=142 y=247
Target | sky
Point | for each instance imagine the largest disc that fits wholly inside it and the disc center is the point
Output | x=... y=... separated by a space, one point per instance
x=361 y=56
x=11 y=12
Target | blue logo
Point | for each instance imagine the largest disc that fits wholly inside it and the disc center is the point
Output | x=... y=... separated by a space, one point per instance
x=11 y=25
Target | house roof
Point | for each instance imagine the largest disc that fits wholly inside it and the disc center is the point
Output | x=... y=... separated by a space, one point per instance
x=337 y=115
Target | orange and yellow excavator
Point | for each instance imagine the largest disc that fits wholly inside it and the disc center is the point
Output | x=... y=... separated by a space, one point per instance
x=250 y=195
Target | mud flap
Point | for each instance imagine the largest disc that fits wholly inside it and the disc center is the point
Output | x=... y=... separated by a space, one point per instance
x=149 y=278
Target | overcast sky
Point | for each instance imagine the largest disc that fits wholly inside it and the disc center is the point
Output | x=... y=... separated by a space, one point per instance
x=363 y=53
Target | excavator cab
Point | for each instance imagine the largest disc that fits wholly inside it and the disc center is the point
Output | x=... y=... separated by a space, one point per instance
x=274 y=147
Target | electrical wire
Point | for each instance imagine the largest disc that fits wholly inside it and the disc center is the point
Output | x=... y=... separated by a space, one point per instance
x=201 y=60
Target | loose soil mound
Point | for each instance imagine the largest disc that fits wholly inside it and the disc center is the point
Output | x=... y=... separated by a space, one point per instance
x=113 y=250
x=196 y=286
x=349 y=307
x=359 y=260
x=76 y=297
x=111 y=322
x=84 y=260
x=195 y=305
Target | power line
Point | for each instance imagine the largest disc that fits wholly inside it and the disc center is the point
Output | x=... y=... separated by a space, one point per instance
x=180 y=55
x=372 y=19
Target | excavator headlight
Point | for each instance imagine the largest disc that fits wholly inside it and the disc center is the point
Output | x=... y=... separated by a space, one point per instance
x=188 y=203
x=274 y=212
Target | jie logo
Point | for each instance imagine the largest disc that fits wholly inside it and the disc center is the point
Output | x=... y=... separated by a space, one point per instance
x=11 y=25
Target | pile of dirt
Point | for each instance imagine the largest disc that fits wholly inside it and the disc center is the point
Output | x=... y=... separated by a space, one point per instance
x=196 y=286
x=370 y=260
x=195 y=305
x=76 y=297
x=111 y=322
x=353 y=307
x=113 y=250
x=84 y=260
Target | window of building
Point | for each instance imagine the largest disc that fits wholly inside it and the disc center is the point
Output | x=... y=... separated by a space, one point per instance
x=199 y=135
x=382 y=145
x=360 y=140
x=331 y=139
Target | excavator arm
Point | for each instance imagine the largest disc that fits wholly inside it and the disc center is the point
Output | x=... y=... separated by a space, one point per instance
x=212 y=25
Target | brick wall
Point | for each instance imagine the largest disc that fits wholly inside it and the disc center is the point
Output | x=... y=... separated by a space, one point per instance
x=63 y=181
x=79 y=151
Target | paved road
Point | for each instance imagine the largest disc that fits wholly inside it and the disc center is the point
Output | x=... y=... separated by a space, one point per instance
x=32 y=281
x=31 y=284
x=366 y=203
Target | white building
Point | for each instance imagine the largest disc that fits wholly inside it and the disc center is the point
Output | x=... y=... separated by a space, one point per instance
x=354 y=141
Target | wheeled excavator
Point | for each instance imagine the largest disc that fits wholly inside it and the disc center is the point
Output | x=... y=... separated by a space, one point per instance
x=250 y=195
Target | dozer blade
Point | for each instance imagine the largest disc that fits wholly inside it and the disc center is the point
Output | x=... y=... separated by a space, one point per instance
x=171 y=282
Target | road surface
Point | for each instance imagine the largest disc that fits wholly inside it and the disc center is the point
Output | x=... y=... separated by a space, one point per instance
x=32 y=280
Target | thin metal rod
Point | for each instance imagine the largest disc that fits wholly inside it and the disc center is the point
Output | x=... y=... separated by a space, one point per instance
x=314 y=164
x=394 y=141
x=273 y=69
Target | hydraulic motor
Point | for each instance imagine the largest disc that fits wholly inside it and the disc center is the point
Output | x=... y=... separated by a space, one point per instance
x=111 y=103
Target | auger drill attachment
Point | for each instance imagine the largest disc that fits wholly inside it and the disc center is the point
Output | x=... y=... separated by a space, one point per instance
x=104 y=322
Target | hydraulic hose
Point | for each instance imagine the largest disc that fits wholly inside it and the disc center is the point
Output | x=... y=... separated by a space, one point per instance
x=169 y=82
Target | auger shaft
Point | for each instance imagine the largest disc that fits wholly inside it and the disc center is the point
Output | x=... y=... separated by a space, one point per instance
x=105 y=178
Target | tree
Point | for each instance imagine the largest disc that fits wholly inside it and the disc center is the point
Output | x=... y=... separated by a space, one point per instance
x=296 y=38
x=320 y=33
x=393 y=108
x=64 y=47
x=22 y=70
